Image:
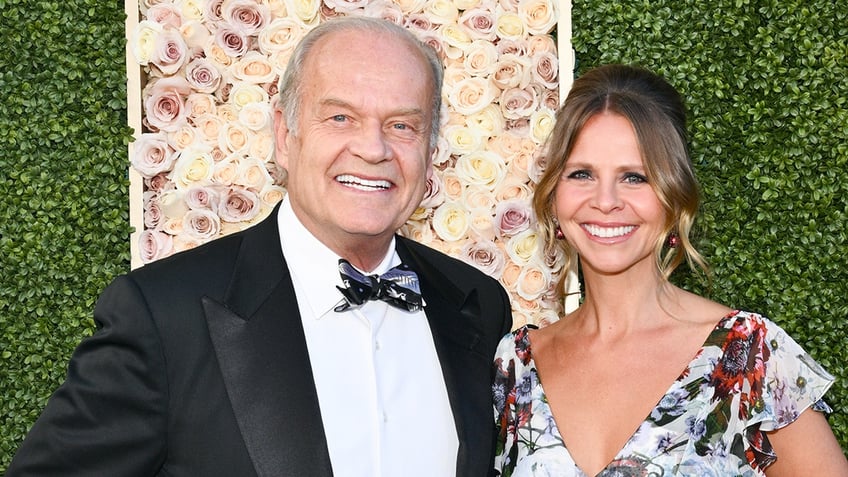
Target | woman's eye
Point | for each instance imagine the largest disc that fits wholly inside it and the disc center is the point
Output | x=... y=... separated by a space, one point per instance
x=633 y=178
x=580 y=174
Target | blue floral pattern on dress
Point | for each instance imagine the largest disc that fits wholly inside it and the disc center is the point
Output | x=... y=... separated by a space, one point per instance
x=748 y=378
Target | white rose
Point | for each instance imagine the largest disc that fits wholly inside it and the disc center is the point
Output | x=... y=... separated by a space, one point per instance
x=245 y=93
x=144 y=40
x=441 y=12
x=450 y=222
x=193 y=167
x=305 y=10
x=510 y=26
x=190 y=9
x=463 y=140
x=523 y=246
x=418 y=230
x=261 y=145
x=256 y=116
x=172 y=204
x=489 y=121
x=456 y=39
x=481 y=168
x=411 y=6
x=541 y=124
x=533 y=281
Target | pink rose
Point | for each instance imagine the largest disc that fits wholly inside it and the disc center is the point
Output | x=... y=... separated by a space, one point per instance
x=546 y=69
x=479 y=23
x=170 y=51
x=238 y=205
x=202 y=75
x=165 y=14
x=513 y=216
x=486 y=256
x=165 y=104
x=152 y=154
x=201 y=224
x=518 y=103
x=152 y=213
x=434 y=196
x=233 y=42
x=154 y=245
x=201 y=197
x=246 y=16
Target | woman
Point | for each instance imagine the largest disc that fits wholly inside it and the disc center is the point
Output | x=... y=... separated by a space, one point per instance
x=645 y=378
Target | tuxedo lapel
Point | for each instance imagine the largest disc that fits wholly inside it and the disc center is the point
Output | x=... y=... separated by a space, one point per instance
x=261 y=350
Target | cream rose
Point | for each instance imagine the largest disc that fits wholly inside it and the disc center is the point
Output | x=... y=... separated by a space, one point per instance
x=470 y=95
x=411 y=6
x=233 y=137
x=538 y=16
x=450 y=222
x=152 y=154
x=480 y=58
x=253 y=67
x=226 y=170
x=480 y=224
x=418 y=230
x=252 y=174
x=256 y=116
x=463 y=140
x=489 y=121
x=271 y=194
x=512 y=71
x=209 y=126
x=196 y=35
x=172 y=204
x=281 y=35
x=457 y=41
x=261 y=145
x=513 y=188
x=199 y=104
x=533 y=282
x=478 y=196
x=191 y=9
x=482 y=168
x=201 y=224
x=510 y=275
x=441 y=12
x=165 y=14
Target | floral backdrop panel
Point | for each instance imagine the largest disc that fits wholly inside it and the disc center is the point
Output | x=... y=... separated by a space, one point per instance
x=203 y=164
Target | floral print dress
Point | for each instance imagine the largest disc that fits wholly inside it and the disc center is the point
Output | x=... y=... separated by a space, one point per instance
x=749 y=377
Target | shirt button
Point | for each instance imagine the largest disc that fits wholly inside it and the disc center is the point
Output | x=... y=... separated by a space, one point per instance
x=385 y=417
x=377 y=345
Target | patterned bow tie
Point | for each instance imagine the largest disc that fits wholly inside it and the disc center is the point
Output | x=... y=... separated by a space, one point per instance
x=397 y=287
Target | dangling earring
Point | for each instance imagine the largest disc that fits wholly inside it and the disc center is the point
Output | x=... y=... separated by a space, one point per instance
x=673 y=240
x=558 y=231
x=558 y=234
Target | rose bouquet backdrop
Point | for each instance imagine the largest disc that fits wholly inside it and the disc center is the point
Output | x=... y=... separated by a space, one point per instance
x=205 y=151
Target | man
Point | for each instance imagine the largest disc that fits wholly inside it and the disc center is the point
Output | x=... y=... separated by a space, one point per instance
x=243 y=358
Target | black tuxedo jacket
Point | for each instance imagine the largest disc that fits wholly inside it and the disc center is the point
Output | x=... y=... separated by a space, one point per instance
x=199 y=367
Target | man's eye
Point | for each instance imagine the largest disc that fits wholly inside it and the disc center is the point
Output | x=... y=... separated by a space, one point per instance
x=400 y=126
x=339 y=118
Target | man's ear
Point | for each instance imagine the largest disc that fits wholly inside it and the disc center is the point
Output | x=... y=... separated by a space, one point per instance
x=281 y=138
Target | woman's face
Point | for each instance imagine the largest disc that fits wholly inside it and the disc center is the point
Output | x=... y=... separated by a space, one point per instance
x=604 y=203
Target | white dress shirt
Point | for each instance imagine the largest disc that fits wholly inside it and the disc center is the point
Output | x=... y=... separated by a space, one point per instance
x=380 y=387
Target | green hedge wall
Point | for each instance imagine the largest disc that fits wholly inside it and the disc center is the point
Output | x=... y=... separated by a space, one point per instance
x=766 y=84
x=767 y=89
x=64 y=220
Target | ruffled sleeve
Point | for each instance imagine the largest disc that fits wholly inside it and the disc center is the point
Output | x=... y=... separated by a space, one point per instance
x=793 y=382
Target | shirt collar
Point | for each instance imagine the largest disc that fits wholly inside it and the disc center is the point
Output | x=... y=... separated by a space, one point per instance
x=313 y=266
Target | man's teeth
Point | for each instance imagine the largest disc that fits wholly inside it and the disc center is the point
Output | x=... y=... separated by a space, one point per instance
x=363 y=184
x=609 y=232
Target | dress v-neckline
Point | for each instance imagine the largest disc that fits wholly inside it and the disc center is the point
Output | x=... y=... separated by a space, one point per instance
x=681 y=377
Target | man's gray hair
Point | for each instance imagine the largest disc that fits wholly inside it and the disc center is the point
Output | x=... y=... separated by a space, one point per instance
x=291 y=83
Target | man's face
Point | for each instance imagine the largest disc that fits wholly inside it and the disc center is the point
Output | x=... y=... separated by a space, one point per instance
x=360 y=158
